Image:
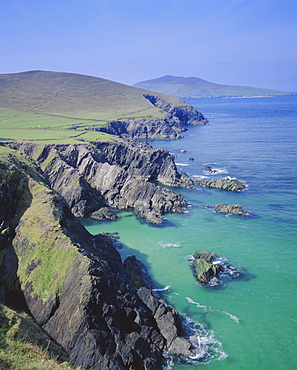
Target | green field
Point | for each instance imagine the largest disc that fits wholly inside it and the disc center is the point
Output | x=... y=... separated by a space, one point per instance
x=55 y=106
x=41 y=127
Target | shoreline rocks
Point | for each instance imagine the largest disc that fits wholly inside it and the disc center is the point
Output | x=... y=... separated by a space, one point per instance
x=75 y=285
x=170 y=127
x=122 y=175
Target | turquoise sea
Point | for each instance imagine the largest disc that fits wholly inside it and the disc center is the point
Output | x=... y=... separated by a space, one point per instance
x=249 y=323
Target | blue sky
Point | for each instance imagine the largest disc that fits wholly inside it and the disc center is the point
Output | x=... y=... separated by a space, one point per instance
x=240 y=42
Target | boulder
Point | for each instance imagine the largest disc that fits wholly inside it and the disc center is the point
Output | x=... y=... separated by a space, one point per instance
x=104 y=213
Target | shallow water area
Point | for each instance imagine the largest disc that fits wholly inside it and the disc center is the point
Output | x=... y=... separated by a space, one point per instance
x=247 y=323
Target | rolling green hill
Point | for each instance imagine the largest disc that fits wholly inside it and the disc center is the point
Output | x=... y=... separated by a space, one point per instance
x=197 y=88
x=55 y=106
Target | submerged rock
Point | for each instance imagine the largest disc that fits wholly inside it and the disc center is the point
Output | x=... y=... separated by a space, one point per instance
x=231 y=208
x=210 y=169
x=227 y=183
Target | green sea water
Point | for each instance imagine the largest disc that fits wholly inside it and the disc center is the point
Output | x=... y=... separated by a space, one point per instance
x=248 y=323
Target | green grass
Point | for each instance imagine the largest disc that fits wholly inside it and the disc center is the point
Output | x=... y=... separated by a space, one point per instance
x=50 y=129
x=53 y=106
x=47 y=247
x=24 y=346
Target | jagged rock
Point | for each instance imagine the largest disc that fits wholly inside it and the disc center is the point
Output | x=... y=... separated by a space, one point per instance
x=75 y=285
x=104 y=213
x=118 y=174
x=228 y=183
x=137 y=273
x=169 y=127
x=205 y=270
x=231 y=208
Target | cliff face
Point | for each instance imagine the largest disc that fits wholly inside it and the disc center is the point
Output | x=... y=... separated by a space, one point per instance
x=75 y=284
x=120 y=174
x=170 y=127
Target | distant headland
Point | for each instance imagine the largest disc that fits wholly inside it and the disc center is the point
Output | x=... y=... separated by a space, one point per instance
x=197 y=88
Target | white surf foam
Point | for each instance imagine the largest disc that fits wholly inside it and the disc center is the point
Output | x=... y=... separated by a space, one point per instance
x=182 y=164
x=162 y=289
x=197 y=304
x=233 y=317
x=169 y=245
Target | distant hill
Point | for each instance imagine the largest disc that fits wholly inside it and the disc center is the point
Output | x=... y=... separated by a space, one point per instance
x=40 y=105
x=197 y=88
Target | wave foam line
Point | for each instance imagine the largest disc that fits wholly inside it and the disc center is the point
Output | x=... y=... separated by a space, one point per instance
x=161 y=289
x=197 y=304
x=190 y=300
x=233 y=317
x=169 y=245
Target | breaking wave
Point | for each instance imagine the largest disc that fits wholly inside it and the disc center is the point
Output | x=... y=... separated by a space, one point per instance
x=210 y=349
x=206 y=309
x=169 y=245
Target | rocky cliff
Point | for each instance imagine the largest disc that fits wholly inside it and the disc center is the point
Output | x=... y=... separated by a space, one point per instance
x=176 y=120
x=117 y=174
x=75 y=285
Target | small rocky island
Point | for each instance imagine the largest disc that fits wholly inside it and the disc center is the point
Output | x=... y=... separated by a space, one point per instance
x=210 y=268
x=228 y=183
x=231 y=208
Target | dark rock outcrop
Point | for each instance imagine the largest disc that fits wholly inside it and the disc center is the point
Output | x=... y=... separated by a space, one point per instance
x=231 y=208
x=104 y=213
x=169 y=127
x=227 y=183
x=75 y=285
x=117 y=174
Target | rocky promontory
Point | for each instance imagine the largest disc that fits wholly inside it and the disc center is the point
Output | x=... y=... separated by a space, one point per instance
x=121 y=175
x=75 y=285
x=175 y=121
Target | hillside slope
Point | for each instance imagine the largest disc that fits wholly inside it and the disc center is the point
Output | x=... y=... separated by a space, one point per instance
x=196 y=88
x=79 y=107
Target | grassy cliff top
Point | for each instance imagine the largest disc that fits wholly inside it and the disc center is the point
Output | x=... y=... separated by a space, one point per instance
x=197 y=88
x=24 y=346
x=41 y=105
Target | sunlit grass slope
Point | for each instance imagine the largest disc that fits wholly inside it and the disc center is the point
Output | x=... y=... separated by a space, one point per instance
x=55 y=106
x=24 y=346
